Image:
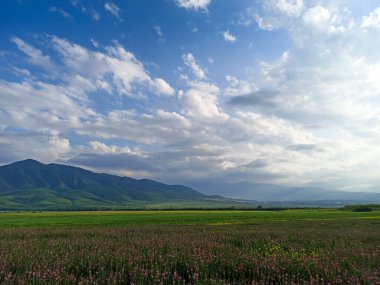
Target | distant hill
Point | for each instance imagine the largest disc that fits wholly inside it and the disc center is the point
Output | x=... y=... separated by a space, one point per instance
x=282 y=194
x=29 y=184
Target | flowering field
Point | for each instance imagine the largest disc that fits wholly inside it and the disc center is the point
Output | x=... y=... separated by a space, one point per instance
x=336 y=251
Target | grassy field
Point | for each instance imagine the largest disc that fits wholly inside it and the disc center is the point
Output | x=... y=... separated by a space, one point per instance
x=190 y=247
x=126 y=218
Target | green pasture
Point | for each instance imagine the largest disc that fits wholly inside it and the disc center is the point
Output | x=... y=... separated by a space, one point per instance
x=125 y=218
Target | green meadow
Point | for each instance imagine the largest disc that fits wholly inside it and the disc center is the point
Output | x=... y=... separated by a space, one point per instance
x=319 y=246
x=221 y=217
x=126 y=218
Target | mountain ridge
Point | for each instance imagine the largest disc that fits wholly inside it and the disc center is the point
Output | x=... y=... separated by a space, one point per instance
x=32 y=184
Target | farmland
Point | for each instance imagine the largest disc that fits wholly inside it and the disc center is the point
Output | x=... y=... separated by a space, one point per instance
x=190 y=247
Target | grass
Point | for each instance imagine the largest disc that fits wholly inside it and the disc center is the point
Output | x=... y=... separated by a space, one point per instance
x=190 y=247
x=126 y=218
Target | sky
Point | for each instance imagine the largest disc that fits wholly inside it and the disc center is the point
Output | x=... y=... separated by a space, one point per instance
x=283 y=92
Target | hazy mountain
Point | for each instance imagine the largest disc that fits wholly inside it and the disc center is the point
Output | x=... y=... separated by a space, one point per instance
x=270 y=192
x=30 y=184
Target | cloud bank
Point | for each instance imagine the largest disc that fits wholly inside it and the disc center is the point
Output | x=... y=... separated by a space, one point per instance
x=305 y=116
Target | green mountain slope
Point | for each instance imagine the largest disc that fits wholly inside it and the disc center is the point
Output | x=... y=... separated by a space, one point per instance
x=29 y=184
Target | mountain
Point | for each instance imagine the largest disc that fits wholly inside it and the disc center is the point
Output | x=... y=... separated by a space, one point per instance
x=32 y=185
x=275 y=193
x=29 y=184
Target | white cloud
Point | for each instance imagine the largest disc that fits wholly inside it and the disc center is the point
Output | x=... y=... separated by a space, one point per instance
x=85 y=8
x=286 y=14
x=47 y=114
x=224 y=142
x=269 y=22
x=201 y=101
x=271 y=74
x=102 y=148
x=290 y=7
x=159 y=32
x=115 y=70
x=273 y=14
x=95 y=43
x=60 y=11
x=59 y=146
x=309 y=116
x=95 y=15
x=320 y=19
x=272 y=129
x=113 y=9
x=238 y=87
x=326 y=85
x=228 y=37
x=190 y=61
x=163 y=87
x=372 y=20
x=30 y=102
x=193 y=4
x=45 y=147
x=159 y=127
x=36 y=56
x=317 y=16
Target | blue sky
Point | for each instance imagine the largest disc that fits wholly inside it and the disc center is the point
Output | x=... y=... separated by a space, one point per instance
x=193 y=91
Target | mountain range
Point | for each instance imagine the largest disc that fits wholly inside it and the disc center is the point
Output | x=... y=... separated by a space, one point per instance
x=32 y=185
x=260 y=192
x=29 y=184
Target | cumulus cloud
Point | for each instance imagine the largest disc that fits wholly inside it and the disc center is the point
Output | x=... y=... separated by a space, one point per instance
x=228 y=37
x=320 y=19
x=191 y=62
x=238 y=87
x=41 y=107
x=305 y=116
x=273 y=14
x=163 y=87
x=286 y=14
x=325 y=84
x=58 y=146
x=223 y=145
x=45 y=147
x=224 y=142
x=372 y=20
x=289 y=7
x=193 y=4
x=50 y=111
x=102 y=148
x=116 y=70
x=201 y=100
